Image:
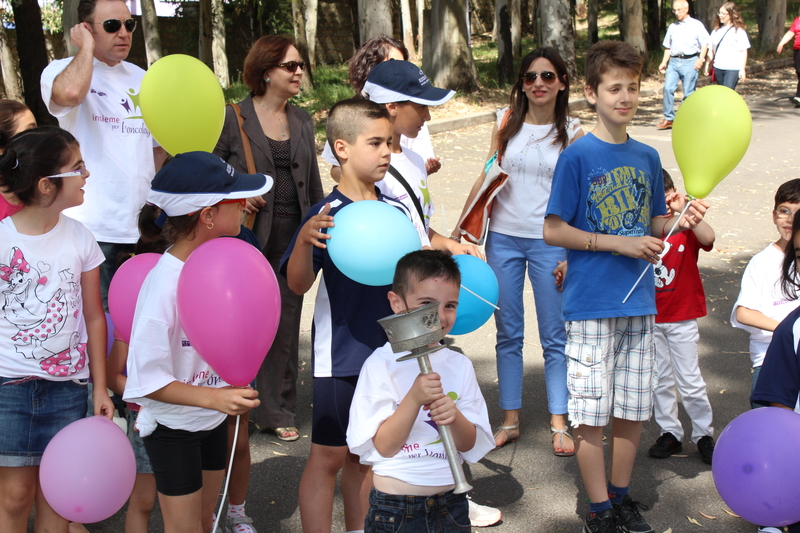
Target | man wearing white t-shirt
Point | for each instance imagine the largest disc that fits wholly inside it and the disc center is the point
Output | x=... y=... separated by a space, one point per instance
x=95 y=96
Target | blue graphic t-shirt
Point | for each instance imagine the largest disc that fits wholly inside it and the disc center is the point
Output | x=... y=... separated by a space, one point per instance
x=611 y=189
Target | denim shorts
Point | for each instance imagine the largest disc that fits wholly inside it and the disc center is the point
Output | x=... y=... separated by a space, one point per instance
x=32 y=411
x=142 y=460
x=390 y=513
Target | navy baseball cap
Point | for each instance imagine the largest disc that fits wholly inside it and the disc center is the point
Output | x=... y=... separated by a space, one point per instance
x=194 y=180
x=403 y=81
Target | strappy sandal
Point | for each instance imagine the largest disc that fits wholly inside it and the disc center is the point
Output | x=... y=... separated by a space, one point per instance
x=279 y=432
x=232 y=521
x=562 y=433
x=509 y=439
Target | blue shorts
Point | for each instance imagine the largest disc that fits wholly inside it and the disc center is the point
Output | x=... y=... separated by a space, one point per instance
x=331 y=412
x=142 y=460
x=32 y=411
x=446 y=512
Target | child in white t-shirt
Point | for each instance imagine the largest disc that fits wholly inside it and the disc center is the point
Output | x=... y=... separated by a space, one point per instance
x=396 y=410
x=761 y=305
x=184 y=402
x=52 y=328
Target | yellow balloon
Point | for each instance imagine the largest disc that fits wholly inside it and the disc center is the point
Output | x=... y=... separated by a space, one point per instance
x=710 y=136
x=182 y=104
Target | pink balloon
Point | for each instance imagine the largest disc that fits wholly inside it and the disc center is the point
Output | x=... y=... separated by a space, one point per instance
x=124 y=291
x=88 y=470
x=229 y=305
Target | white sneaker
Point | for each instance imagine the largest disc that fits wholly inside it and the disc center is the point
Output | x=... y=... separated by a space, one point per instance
x=769 y=530
x=796 y=100
x=482 y=516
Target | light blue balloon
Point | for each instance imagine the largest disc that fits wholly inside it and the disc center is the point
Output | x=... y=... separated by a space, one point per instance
x=478 y=277
x=368 y=239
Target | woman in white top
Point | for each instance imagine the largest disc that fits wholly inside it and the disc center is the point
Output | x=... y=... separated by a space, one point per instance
x=729 y=44
x=529 y=136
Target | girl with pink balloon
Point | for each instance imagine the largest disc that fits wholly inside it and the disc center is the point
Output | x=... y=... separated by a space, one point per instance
x=53 y=328
x=184 y=400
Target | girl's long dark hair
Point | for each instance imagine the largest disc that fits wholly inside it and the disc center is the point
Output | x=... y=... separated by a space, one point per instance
x=32 y=155
x=789 y=282
x=519 y=101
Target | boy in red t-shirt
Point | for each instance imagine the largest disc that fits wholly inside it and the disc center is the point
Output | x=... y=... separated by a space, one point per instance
x=680 y=301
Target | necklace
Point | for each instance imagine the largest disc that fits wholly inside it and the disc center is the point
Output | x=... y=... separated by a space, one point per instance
x=283 y=131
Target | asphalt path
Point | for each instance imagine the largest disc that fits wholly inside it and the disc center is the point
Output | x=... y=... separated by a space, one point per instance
x=535 y=490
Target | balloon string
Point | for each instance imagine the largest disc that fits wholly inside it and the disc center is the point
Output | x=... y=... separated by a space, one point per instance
x=662 y=254
x=480 y=297
x=228 y=477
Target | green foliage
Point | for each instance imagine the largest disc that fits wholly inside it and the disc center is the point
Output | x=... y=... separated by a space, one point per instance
x=51 y=15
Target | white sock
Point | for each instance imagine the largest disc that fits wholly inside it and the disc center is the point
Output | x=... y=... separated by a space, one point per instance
x=236 y=511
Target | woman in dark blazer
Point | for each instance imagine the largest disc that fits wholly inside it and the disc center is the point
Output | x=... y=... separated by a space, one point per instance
x=282 y=141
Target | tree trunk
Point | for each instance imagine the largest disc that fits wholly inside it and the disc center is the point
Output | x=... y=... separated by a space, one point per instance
x=218 y=43
x=653 y=24
x=10 y=76
x=374 y=18
x=557 y=30
x=69 y=17
x=591 y=18
x=152 y=38
x=761 y=14
x=32 y=55
x=633 y=22
x=515 y=9
x=205 y=36
x=298 y=14
x=621 y=18
x=446 y=55
x=408 y=28
x=705 y=11
x=774 y=29
x=311 y=33
x=420 y=5
x=505 y=60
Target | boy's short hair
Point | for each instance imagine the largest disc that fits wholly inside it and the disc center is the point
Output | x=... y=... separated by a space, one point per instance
x=415 y=267
x=788 y=192
x=346 y=119
x=668 y=183
x=604 y=56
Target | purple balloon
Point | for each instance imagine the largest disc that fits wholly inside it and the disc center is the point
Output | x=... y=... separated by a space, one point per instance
x=757 y=466
x=88 y=470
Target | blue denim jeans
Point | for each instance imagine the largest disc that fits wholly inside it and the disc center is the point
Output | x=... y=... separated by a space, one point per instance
x=32 y=411
x=442 y=513
x=509 y=257
x=728 y=78
x=678 y=70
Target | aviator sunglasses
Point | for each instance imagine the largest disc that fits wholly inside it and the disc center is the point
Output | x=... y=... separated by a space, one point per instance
x=548 y=77
x=113 y=25
x=291 y=66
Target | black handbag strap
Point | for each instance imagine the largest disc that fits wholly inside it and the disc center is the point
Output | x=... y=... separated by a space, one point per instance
x=718 y=45
x=394 y=172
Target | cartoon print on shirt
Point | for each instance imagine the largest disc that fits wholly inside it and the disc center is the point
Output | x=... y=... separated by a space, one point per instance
x=39 y=318
x=618 y=202
x=664 y=275
x=544 y=172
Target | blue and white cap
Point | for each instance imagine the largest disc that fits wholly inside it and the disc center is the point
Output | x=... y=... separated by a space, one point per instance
x=403 y=81
x=194 y=180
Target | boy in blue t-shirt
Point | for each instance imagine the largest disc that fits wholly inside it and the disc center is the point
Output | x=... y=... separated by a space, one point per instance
x=345 y=330
x=606 y=208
